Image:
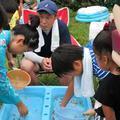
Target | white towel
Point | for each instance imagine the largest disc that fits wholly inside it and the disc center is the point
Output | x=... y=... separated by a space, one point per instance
x=83 y=84
x=55 y=37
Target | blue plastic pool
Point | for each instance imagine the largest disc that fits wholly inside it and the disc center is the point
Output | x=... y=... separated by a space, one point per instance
x=41 y=102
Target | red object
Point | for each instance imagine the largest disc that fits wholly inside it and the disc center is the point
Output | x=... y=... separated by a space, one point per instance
x=63 y=14
x=116 y=41
x=26 y=13
x=74 y=41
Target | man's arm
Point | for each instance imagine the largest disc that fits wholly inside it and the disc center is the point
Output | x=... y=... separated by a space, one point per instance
x=33 y=57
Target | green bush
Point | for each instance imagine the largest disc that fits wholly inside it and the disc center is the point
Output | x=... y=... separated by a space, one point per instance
x=75 y=4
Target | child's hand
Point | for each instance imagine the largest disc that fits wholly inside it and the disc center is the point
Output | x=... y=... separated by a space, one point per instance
x=22 y=109
x=90 y=112
x=63 y=104
x=11 y=63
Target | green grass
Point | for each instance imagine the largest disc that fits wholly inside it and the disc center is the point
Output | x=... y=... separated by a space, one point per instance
x=80 y=31
x=48 y=79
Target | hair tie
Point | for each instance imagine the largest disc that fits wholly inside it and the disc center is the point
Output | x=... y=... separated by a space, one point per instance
x=113 y=21
x=106 y=26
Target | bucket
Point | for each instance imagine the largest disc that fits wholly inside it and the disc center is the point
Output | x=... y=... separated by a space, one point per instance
x=19 y=78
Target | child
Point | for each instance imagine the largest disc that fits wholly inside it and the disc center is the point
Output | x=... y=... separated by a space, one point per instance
x=24 y=38
x=70 y=60
x=108 y=91
x=106 y=47
x=115 y=53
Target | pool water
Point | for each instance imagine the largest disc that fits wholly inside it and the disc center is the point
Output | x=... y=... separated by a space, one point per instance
x=74 y=109
x=34 y=102
x=43 y=103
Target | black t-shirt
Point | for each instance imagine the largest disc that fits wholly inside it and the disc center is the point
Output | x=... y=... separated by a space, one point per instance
x=108 y=93
x=64 y=38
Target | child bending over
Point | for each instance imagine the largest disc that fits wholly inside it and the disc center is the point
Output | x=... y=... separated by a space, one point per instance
x=68 y=62
x=23 y=38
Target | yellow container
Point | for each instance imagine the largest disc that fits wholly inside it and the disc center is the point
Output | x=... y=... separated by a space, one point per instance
x=19 y=78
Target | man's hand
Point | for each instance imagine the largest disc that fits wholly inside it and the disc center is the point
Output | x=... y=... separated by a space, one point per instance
x=46 y=64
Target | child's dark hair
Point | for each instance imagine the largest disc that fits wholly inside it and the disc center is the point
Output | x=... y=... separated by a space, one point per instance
x=34 y=20
x=3 y=17
x=63 y=58
x=30 y=32
x=9 y=5
x=103 y=41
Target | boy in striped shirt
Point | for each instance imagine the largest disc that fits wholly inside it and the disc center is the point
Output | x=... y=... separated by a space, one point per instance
x=67 y=62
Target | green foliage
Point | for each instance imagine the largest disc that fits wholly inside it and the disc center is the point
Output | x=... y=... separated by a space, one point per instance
x=76 y=4
x=48 y=79
x=79 y=30
x=109 y=3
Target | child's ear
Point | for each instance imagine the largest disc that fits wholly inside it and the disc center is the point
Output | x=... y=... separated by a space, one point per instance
x=105 y=60
x=77 y=64
x=20 y=41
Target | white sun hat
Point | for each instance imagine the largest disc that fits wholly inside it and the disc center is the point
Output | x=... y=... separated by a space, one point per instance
x=116 y=35
x=116 y=16
x=116 y=46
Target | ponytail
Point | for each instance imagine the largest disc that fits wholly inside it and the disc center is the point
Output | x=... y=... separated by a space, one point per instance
x=29 y=31
x=34 y=21
x=109 y=26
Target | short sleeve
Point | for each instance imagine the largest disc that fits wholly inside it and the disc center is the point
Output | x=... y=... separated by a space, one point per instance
x=101 y=74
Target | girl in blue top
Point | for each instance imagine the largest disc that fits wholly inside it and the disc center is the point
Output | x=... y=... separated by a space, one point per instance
x=23 y=38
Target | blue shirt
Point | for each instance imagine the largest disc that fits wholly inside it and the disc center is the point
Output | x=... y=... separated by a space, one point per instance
x=96 y=69
x=4 y=41
x=7 y=93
